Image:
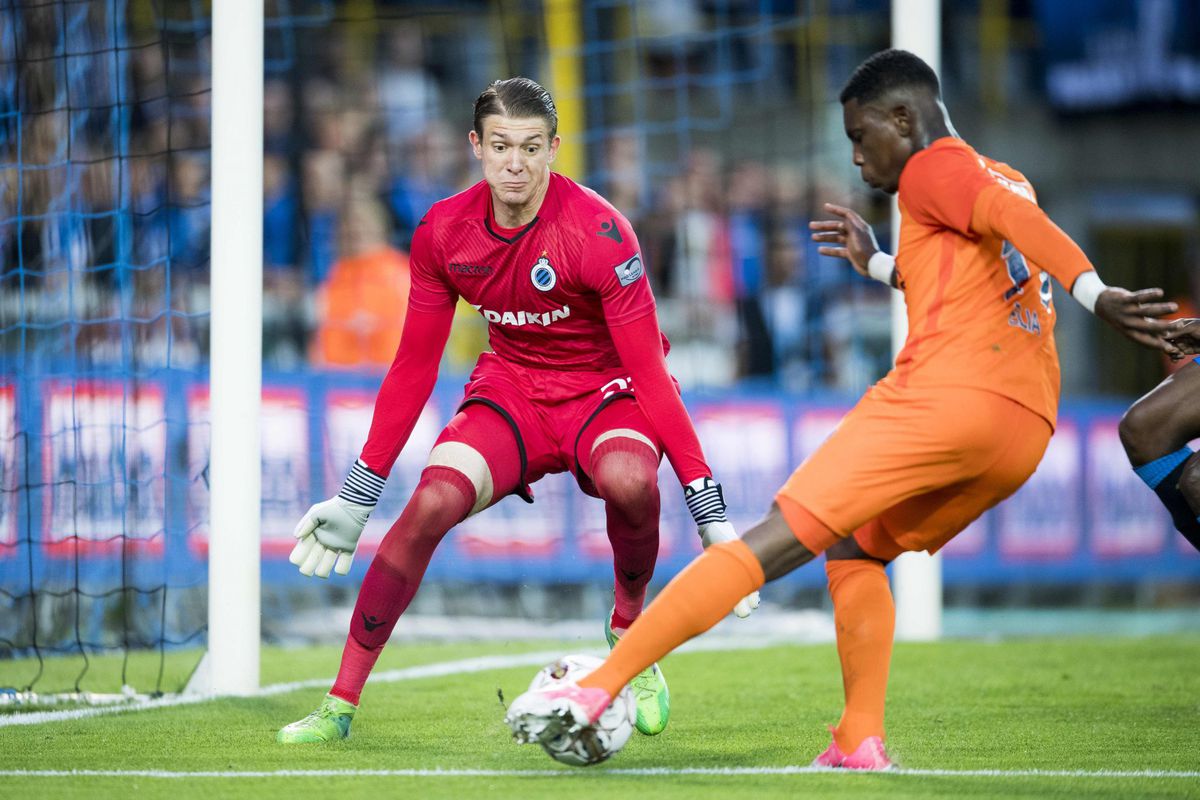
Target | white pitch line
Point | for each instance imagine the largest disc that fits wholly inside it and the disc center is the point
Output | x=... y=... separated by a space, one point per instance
x=561 y=773
x=440 y=669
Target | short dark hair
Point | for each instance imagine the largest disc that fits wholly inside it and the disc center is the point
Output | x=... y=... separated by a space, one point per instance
x=888 y=70
x=516 y=97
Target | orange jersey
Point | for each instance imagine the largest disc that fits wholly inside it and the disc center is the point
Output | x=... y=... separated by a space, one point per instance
x=363 y=304
x=980 y=312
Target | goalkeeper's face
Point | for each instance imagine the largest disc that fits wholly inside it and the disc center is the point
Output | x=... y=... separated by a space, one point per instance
x=516 y=153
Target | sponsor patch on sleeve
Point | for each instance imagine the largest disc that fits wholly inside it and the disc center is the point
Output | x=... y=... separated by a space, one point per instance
x=629 y=271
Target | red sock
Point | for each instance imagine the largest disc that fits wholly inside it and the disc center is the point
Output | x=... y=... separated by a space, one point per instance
x=694 y=601
x=625 y=473
x=619 y=623
x=441 y=500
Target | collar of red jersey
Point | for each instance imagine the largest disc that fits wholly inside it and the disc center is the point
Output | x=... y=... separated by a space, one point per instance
x=551 y=204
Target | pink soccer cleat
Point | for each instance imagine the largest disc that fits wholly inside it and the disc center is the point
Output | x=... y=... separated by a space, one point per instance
x=831 y=758
x=870 y=755
x=546 y=713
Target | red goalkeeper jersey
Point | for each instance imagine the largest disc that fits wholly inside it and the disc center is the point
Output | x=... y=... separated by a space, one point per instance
x=549 y=290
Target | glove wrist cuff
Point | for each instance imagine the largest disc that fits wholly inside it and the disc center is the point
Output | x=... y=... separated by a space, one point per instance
x=705 y=501
x=362 y=486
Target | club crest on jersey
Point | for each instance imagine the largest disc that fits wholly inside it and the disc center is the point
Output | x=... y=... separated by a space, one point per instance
x=543 y=275
x=629 y=271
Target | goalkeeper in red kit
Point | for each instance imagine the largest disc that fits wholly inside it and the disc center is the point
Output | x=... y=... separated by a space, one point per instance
x=576 y=380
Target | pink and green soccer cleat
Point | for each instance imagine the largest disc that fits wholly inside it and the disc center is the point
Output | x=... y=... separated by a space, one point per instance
x=330 y=722
x=649 y=690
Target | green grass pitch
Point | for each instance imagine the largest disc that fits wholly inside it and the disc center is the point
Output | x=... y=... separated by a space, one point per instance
x=957 y=709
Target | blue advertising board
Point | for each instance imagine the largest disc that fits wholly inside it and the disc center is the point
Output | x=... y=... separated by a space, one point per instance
x=1083 y=516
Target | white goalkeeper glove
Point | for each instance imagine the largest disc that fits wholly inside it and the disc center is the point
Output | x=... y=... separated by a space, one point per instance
x=328 y=533
x=707 y=504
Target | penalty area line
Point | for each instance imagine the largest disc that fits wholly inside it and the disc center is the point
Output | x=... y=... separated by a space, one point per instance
x=631 y=772
x=435 y=670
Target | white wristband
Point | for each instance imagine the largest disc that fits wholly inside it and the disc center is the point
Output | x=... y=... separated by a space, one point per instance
x=881 y=266
x=1087 y=288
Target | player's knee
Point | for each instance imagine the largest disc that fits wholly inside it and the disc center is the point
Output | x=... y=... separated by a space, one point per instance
x=1189 y=483
x=627 y=480
x=471 y=465
x=775 y=546
x=439 y=489
x=625 y=483
x=1137 y=429
x=442 y=498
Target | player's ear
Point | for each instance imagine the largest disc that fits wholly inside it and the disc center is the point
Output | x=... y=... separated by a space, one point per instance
x=476 y=144
x=554 y=143
x=902 y=119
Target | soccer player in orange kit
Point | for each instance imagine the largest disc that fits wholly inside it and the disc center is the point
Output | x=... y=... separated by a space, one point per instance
x=960 y=422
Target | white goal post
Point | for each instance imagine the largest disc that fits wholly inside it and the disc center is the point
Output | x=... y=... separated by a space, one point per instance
x=231 y=665
x=916 y=577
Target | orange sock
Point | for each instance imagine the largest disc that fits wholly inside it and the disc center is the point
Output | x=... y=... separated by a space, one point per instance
x=865 y=617
x=694 y=601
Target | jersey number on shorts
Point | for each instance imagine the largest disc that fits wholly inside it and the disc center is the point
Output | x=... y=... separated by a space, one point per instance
x=614 y=386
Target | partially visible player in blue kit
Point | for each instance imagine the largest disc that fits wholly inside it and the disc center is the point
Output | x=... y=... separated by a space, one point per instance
x=1157 y=428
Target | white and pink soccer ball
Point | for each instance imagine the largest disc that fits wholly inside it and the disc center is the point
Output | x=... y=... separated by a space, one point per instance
x=602 y=739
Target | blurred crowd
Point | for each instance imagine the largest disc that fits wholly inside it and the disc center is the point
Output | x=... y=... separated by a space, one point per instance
x=104 y=230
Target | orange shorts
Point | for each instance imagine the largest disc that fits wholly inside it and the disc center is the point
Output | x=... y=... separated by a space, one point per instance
x=907 y=469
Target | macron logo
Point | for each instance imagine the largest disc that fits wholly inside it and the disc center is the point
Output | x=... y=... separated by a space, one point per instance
x=520 y=318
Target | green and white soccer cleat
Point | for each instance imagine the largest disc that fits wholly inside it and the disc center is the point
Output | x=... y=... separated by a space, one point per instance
x=649 y=690
x=330 y=722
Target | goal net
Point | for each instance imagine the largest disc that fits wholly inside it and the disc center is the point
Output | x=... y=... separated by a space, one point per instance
x=103 y=327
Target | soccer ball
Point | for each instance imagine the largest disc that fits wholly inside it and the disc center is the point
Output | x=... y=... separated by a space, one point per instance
x=597 y=742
